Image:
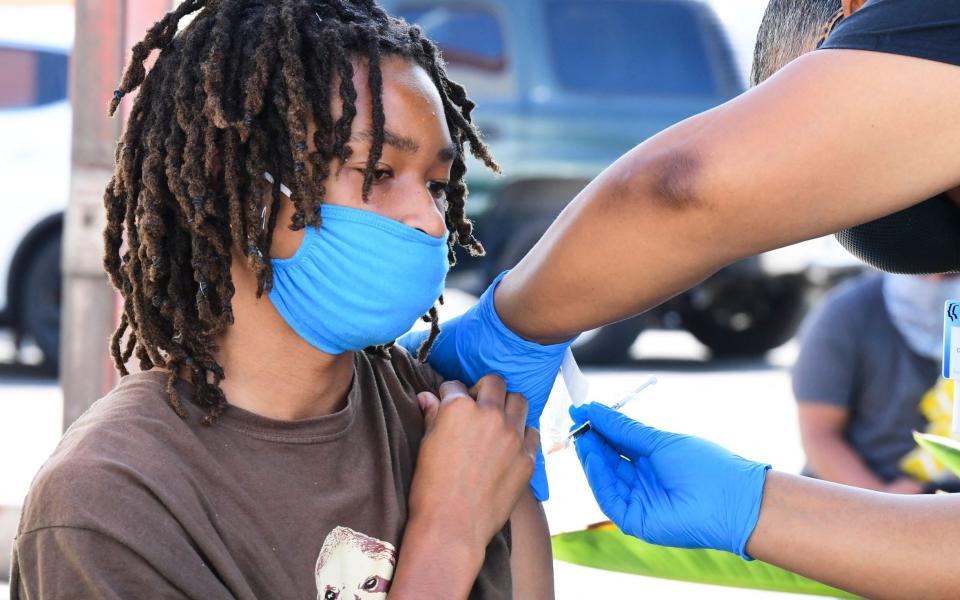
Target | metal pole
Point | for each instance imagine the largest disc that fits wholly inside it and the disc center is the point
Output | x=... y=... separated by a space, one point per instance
x=88 y=299
x=105 y=32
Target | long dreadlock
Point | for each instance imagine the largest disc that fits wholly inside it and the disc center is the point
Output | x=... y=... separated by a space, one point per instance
x=229 y=98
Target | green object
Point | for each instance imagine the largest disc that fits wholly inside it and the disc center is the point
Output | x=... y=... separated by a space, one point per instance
x=605 y=547
x=944 y=448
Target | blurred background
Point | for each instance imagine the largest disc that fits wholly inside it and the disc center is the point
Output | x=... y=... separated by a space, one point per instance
x=563 y=88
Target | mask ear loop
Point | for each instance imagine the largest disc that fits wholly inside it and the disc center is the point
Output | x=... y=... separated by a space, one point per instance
x=830 y=26
x=283 y=189
x=286 y=191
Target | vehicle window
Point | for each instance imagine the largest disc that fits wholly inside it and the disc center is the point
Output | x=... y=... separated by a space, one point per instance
x=611 y=46
x=471 y=39
x=467 y=37
x=31 y=77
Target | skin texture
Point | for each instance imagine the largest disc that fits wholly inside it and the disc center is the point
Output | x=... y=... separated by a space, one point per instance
x=832 y=458
x=531 y=558
x=724 y=185
x=872 y=544
x=290 y=379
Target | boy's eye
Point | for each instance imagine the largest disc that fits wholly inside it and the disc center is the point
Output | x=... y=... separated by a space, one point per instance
x=379 y=174
x=438 y=189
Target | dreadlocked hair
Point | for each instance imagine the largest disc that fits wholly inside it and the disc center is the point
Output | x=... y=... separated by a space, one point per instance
x=228 y=99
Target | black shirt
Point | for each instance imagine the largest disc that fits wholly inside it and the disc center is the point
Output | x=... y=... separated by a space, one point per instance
x=922 y=28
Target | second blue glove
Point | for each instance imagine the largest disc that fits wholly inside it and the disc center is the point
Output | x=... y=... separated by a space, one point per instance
x=669 y=489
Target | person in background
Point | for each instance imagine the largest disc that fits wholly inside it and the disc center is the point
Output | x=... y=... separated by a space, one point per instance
x=872 y=351
x=868 y=376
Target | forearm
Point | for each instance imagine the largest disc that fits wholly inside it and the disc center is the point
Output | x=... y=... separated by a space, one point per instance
x=433 y=564
x=873 y=544
x=746 y=177
x=831 y=458
x=531 y=556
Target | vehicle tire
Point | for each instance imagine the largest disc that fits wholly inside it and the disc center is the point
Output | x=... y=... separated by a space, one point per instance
x=608 y=345
x=747 y=318
x=40 y=299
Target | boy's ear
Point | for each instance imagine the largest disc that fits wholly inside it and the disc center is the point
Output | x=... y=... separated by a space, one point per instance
x=851 y=6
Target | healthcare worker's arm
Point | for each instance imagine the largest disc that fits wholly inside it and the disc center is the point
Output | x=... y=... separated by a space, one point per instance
x=683 y=491
x=837 y=138
x=869 y=543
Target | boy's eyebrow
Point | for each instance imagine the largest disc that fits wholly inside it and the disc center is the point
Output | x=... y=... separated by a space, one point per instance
x=401 y=143
x=408 y=145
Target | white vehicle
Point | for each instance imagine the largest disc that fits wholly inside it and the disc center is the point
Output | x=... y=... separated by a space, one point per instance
x=35 y=126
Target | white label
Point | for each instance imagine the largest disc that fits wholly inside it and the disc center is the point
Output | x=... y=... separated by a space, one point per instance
x=574 y=379
x=951 y=363
x=951 y=340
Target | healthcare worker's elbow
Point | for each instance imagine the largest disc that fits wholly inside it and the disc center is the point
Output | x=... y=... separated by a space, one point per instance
x=670 y=179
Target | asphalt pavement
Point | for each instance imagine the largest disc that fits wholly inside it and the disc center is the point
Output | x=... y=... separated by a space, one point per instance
x=744 y=405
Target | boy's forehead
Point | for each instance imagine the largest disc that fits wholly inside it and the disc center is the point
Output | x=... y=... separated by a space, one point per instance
x=411 y=101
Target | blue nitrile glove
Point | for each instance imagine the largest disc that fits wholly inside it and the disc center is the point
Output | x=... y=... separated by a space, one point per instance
x=477 y=343
x=670 y=490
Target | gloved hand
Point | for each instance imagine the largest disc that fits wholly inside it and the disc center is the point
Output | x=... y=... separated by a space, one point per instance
x=477 y=343
x=670 y=490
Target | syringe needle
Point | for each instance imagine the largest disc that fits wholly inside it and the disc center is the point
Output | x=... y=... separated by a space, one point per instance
x=586 y=426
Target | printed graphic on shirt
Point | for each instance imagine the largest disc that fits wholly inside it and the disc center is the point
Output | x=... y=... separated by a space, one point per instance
x=354 y=566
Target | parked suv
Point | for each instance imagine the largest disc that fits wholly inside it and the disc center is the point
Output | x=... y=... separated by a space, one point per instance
x=35 y=122
x=563 y=88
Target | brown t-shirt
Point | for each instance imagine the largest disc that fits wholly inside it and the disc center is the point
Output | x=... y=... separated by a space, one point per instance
x=136 y=502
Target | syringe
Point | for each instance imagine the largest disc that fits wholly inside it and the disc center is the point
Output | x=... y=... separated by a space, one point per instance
x=585 y=427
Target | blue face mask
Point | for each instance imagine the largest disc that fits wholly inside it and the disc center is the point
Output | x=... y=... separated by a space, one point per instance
x=361 y=280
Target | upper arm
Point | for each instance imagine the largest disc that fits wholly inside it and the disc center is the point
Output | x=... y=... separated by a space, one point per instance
x=837 y=138
x=531 y=558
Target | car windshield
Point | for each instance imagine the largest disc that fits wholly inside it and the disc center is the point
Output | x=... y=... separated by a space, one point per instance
x=629 y=47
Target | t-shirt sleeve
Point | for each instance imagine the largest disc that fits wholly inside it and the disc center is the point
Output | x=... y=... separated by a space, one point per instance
x=926 y=29
x=420 y=374
x=69 y=562
x=825 y=371
x=430 y=378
